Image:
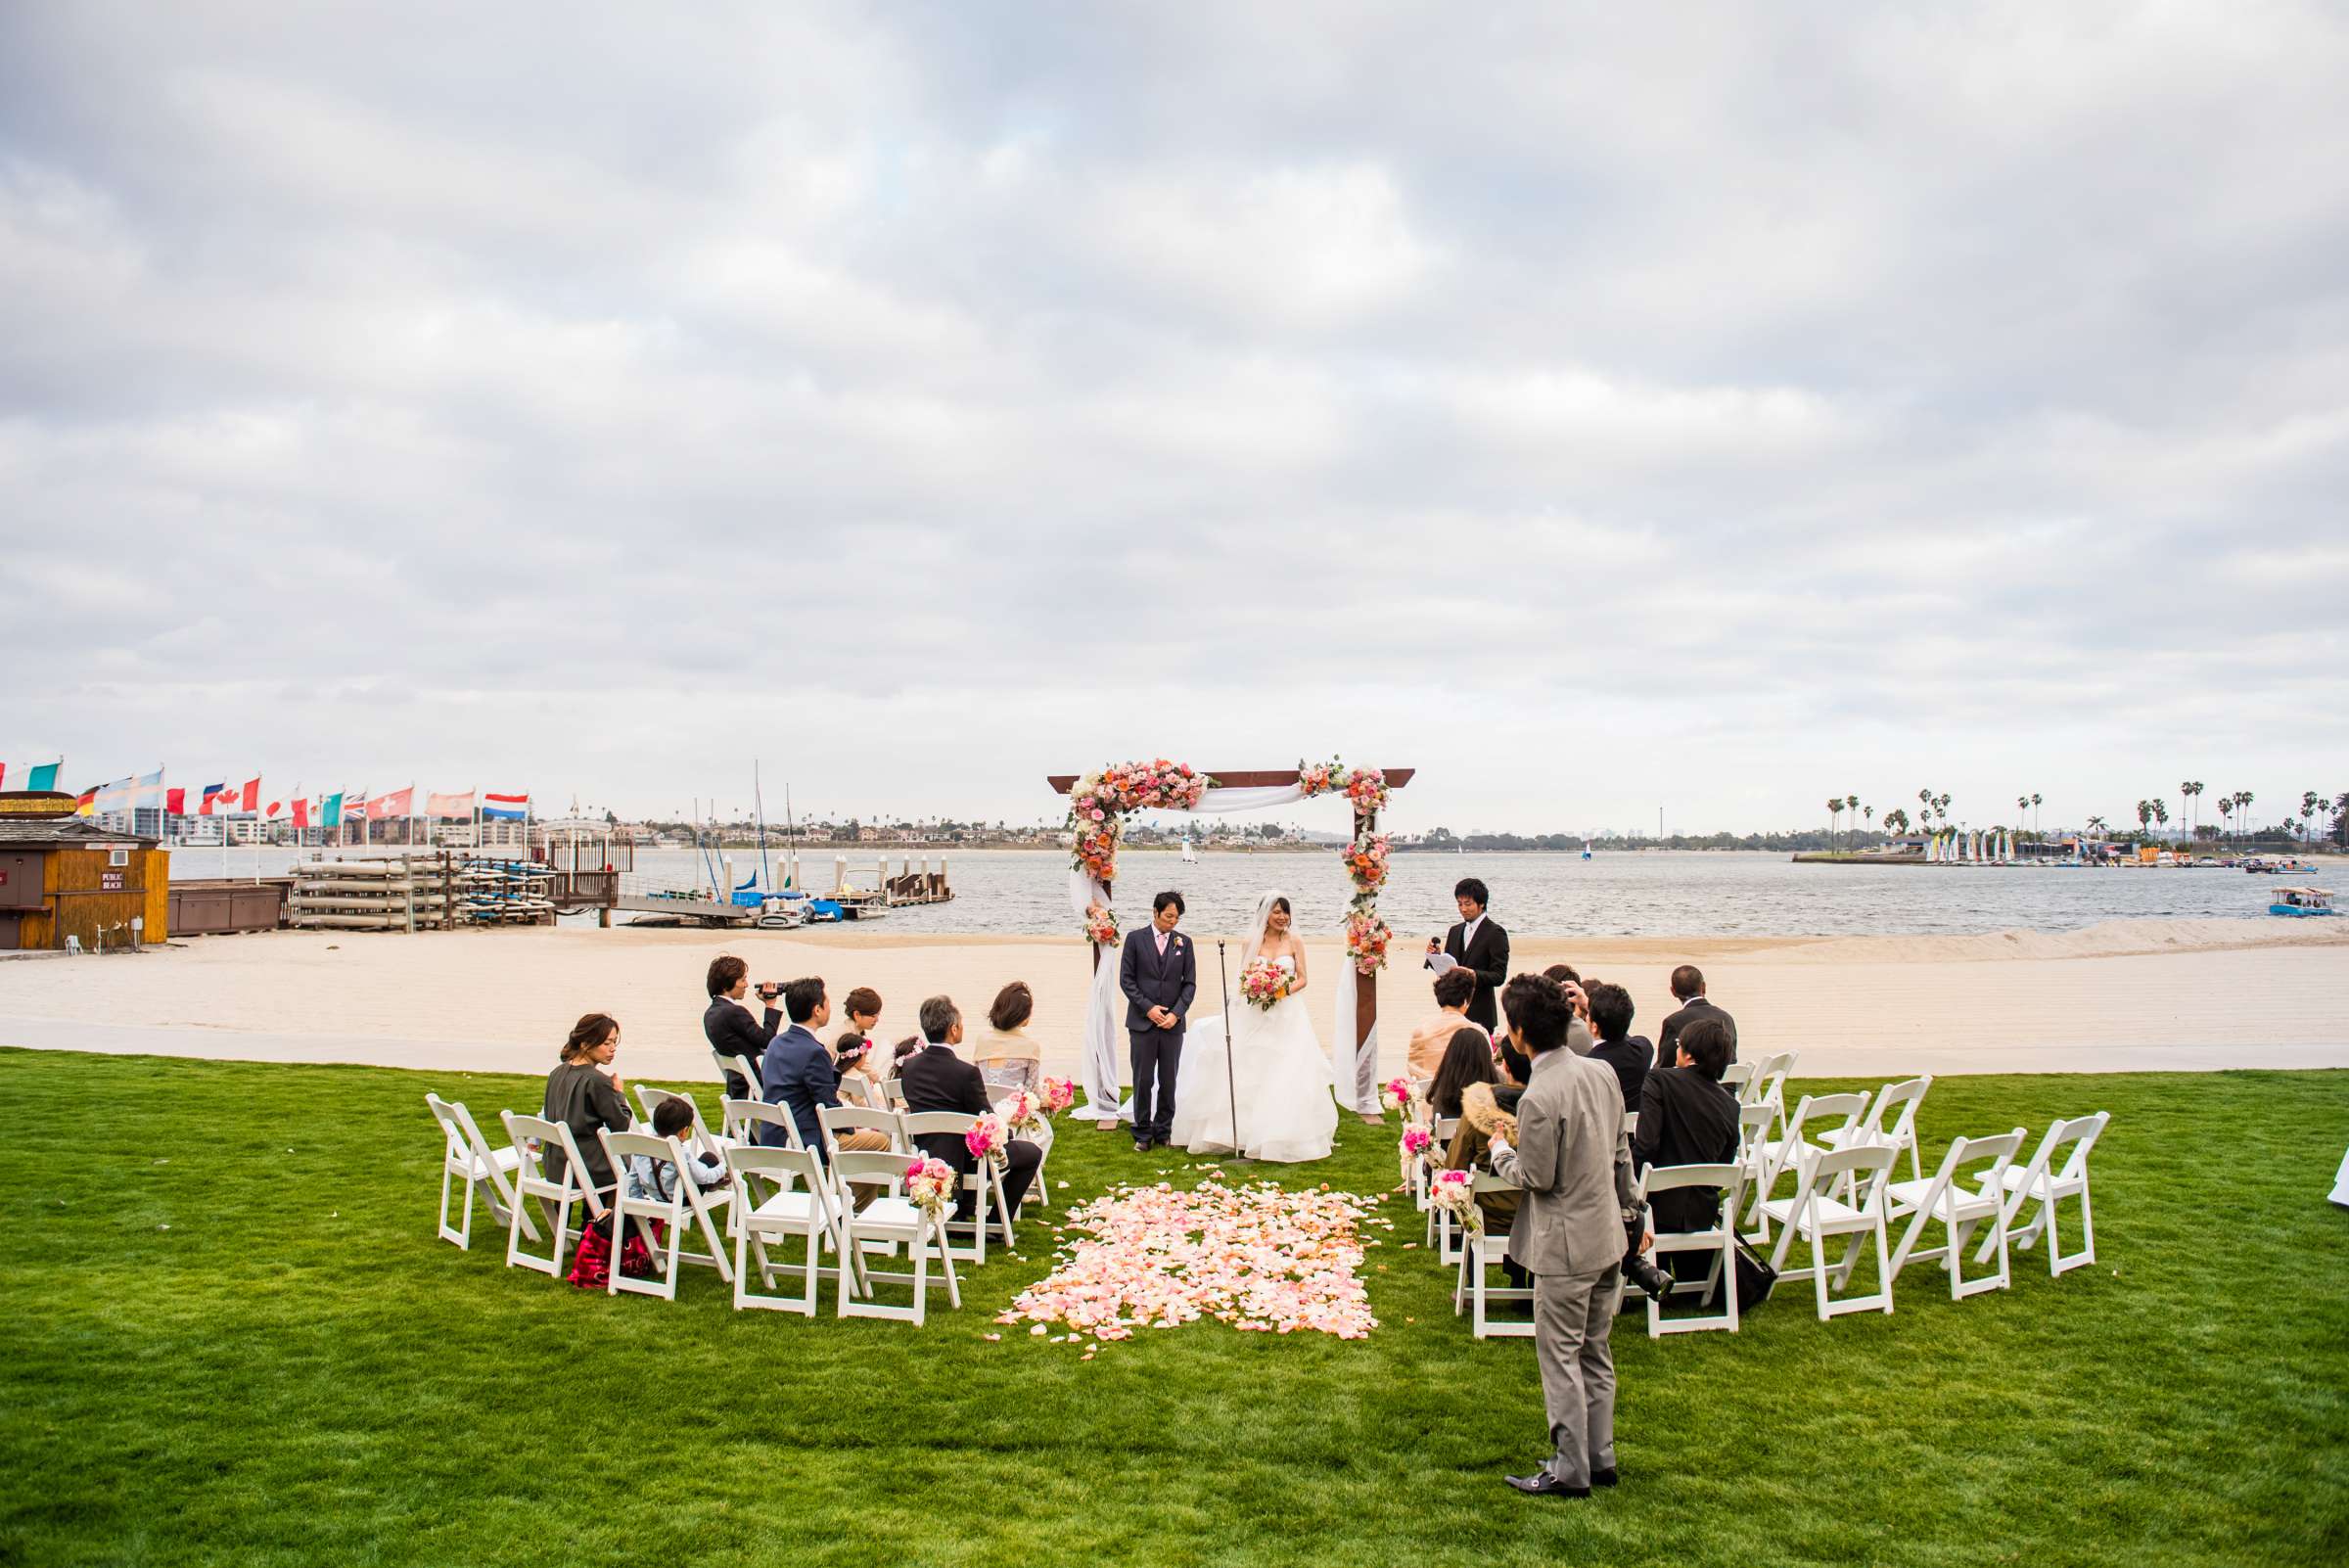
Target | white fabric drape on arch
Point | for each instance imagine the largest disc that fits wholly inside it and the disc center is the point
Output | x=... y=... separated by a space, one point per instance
x=1105 y=1004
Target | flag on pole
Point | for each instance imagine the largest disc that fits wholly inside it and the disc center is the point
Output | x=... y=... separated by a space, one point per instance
x=43 y=777
x=506 y=807
x=214 y=793
x=395 y=803
x=251 y=800
x=140 y=786
x=449 y=805
x=275 y=806
x=175 y=803
x=86 y=804
x=3 y=775
x=330 y=811
x=301 y=813
x=120 y=796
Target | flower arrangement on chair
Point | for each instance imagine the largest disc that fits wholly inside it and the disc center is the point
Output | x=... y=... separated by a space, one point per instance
x=1415 y=1149
x=1059 y=1094
x=1455 y=1192
x=1022 y=1113
x=930 y=1185
x=1394 y=1094
x=985 y=1139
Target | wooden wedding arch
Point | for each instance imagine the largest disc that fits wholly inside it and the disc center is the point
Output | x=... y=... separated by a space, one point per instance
x=1365 y=825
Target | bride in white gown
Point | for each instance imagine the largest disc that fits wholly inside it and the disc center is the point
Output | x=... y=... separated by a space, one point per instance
x=1280 y=1074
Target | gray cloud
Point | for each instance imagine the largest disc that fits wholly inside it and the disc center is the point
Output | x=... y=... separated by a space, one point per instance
x=1594 y=410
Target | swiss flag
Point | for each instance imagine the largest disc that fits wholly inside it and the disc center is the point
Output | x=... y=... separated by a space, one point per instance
x=252 y=798
x=175 y=803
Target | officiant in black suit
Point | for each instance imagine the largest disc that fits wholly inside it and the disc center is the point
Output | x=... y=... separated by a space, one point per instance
x=1479 y=945
x=1159 y=974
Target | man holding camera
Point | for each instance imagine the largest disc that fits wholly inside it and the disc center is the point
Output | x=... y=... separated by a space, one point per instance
x=728 y=1024
x=1574 y=1164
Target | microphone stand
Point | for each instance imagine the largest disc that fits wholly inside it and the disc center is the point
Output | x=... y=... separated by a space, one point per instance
x=1231 y=1090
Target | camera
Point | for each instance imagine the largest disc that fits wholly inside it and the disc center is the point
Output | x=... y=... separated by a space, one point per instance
x=1638 y=1268
x=769 y=990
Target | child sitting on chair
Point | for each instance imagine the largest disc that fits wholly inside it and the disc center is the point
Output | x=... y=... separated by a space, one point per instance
x=657 y=1180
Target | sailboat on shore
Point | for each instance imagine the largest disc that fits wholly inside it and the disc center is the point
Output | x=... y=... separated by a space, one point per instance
x=1191 y=856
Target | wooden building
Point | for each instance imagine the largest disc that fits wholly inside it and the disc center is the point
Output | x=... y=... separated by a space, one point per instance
x=66 y=882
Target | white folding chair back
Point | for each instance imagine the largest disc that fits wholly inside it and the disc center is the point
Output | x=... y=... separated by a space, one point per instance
x=649 y=1098
x=1781 y=1157
x=744 y=1067
x=753 y=1115
x=893 y=1093
x=1768 y=1085
x=1819 y=1216
x=1476 y=1254
x=1959 y=1202
x=780 y=1212
x=1892 y=1120
x=1735 y=1077
x=1753 y=1130
x=892 y=1220
x=1630 y=1123
x=533 y=1137
x=1720 y=1239
x=984 y=1182
x=839 y=1119
x=687 y=1204
x=1444 y=1129
x=466 y=1156
x=2048 y=1183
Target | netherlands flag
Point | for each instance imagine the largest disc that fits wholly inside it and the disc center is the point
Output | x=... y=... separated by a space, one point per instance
x=506 y=807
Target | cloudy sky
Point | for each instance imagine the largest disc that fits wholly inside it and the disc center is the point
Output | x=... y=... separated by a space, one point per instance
x=1598 y=408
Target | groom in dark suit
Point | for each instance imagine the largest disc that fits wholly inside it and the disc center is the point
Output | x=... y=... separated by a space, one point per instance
x=1479 y=945
x=1159 y=975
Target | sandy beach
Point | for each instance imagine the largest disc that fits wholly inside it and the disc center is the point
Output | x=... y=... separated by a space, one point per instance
x=2123 y=995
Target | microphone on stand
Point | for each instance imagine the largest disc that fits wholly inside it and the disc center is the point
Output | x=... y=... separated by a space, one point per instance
x=1232 y=1091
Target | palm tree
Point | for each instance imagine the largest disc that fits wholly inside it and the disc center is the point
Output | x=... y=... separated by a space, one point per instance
x=2310 y=800
x=2243 y=799
x=2095 y=825
x=1851 y=804
x=2161 y=813
x=1871 y=820
x=2145 y=815
x=2226 y=814
x=2186 y=802
x=1896 y=821
x=1834 y=810
x=2035 y=814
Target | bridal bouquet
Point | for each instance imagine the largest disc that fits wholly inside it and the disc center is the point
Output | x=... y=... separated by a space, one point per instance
x=930 y=1184
x=1022 y=1113
x=1101 y=924
x=1262 y=983
x=1416 y=1142
x=1455 y=1192
x=1059 y=1094
x=985 y=1139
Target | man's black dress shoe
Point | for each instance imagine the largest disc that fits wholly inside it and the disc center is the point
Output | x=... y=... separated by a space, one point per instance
x=1604 y=1478
x=1542 y=1484
x=1141 y=1145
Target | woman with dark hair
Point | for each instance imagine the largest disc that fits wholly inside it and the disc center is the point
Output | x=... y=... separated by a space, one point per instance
x=1007 y=1058
x=1467 y=1059
x=586 y=1093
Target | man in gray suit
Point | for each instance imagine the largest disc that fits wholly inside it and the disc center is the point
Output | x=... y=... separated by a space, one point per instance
x=1575 y=1163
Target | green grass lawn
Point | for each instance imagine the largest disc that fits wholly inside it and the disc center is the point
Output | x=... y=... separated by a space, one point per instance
x=231 y=1337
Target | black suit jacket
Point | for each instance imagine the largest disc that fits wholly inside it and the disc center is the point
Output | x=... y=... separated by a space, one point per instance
x=938 y=1080
x=1149 y=981
x=1668 y=1040
x=732 y=1034
x=1685 y=1119
x=1629 y=1057
x=1489 y=957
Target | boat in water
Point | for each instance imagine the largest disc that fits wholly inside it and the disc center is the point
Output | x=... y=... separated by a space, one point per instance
x=1191 y=856
x=2300 y=903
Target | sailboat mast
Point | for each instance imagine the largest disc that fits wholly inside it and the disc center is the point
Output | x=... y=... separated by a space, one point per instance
x=758 y=804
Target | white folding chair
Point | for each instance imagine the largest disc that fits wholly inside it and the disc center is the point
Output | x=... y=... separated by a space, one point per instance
x=1779 y=1157
x=1630 y=1123
x=893 y=1093
x=890 y=1219
x=1476 y=1253
x=2042 y=1182
x=1958 y=1207
x=744 y=1067
x=466 y=1156
x=983 y=1181
x=1892 y=1120
x=1720 y=1239
x=534 y=1137
x=1444 y=1129
x=1735 y=1077
x=782 y=1212
x=1768 y=1085
x=703 y=1138
x=1816 y=1214
x=1753 y=1130
x=686 y=1203
x=838 y=1118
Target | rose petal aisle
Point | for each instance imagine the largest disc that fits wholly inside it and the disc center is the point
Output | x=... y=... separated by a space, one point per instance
x=1254 y=1257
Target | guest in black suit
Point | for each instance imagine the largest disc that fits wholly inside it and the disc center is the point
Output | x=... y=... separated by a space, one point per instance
x=1689 y=988
x=1479 y=945
x=1689 y=1117
x=938 y=1080
x=1628 y=1053
x=1159 y=974
x=728 y=1024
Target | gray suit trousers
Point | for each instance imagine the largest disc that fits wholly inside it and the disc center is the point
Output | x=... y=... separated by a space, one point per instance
x=1573 y=1315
